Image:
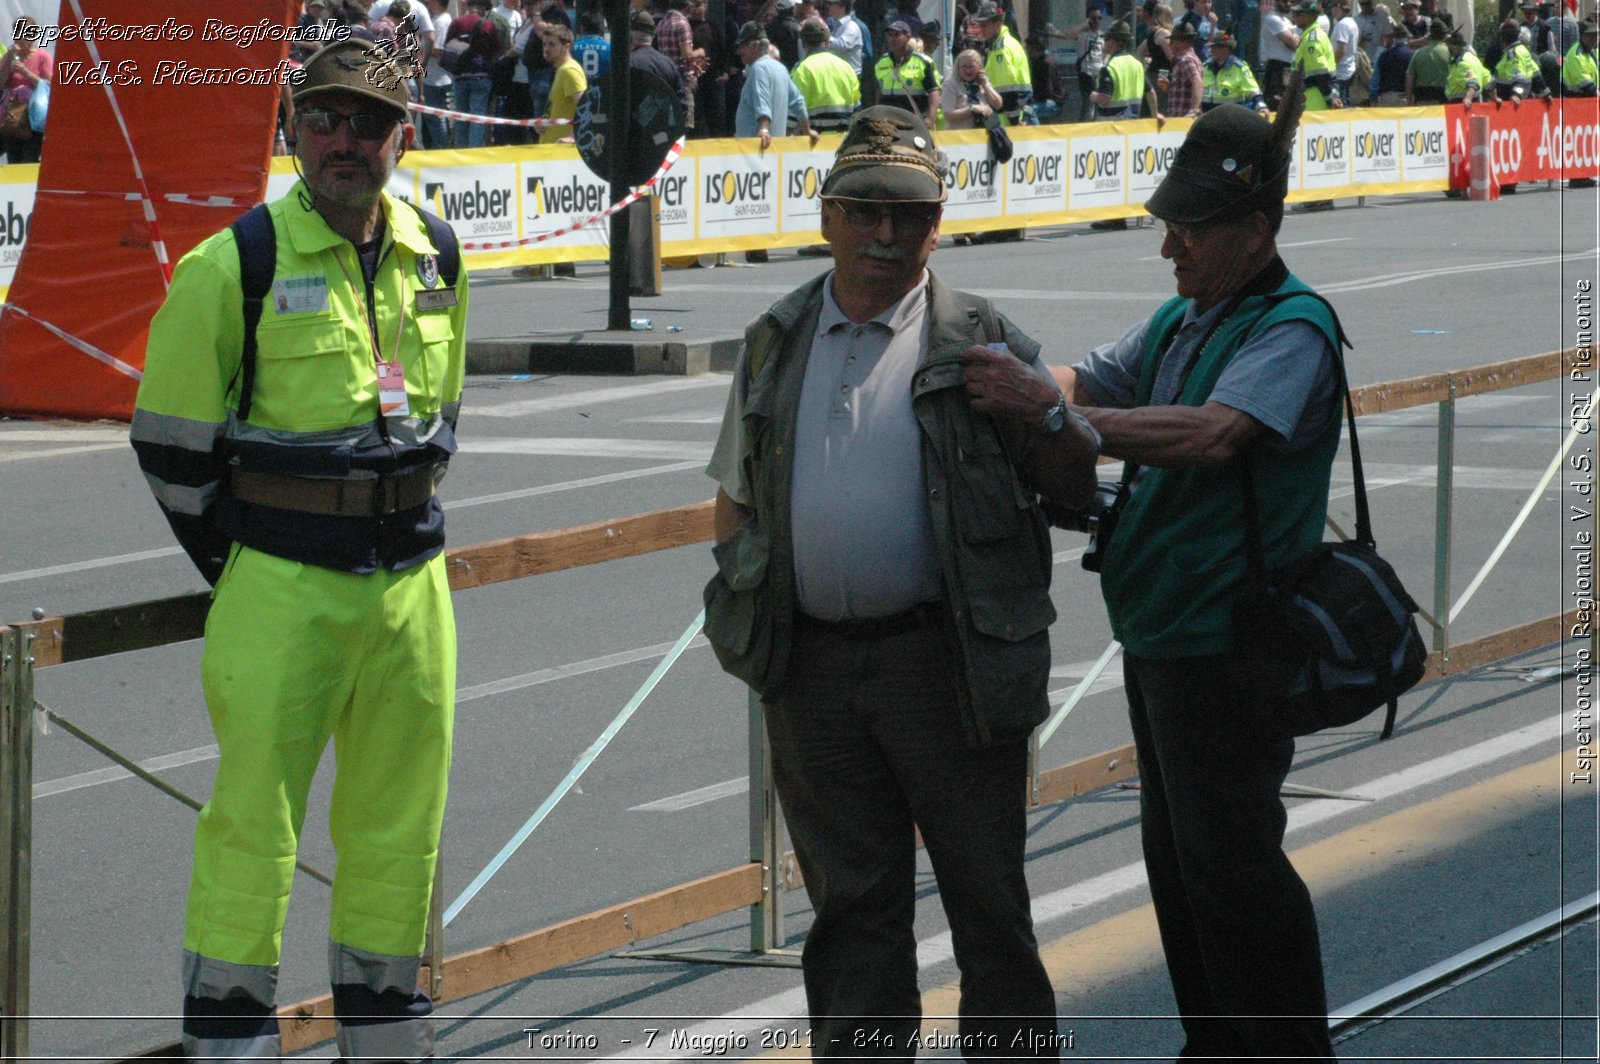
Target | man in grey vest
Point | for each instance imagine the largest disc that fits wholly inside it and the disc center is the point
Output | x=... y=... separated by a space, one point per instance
x=1229 y=388
x=884 y=583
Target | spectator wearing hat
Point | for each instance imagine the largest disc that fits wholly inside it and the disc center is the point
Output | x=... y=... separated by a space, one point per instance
x=1186 y=85
x=906 y=78
x=830 y=89
x=1198 y=17
x=1389 y=72
x=889 y=706
x=1237 y=372
x=1005 y=61
x=1579 y=76
x=303 y=489
x=1313 y=57
x=770 y=106
x=1279 y=39
x=932 y=40
x=847 y=37
x=1429 y=73
x=1373 y=21
x=1049 y=88
x=1469 y=79
x=1090 y=41
x=1122 y=91
x=1414 y=24
x=1227 y=79
x=1517 y=75
x=784 y=33
x=644 y=56
x=1535 y=30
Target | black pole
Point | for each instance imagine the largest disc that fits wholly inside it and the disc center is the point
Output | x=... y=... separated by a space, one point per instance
x=619 y=117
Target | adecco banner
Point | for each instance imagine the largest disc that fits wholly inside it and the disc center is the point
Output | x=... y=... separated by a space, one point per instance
x=1542 y=140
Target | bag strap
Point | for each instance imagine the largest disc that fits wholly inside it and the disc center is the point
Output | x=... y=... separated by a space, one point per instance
x=257 y=244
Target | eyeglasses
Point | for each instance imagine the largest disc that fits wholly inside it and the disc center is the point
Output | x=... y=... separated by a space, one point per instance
x=907 y=217
x=1187 y=234
x=363 y=125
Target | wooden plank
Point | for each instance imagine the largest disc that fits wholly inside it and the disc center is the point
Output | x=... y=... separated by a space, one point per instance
x=1504 y=644
x=548 y=552
x=96 y=633
x=1420 y=391
x=1088 y=774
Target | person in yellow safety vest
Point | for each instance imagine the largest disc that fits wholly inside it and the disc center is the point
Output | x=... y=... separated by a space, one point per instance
x=907 y=79
x=1227 y=79
x=1469 y=79
x=1005 y=63
x=294 y=440
x=1119 y=93
x=1314 y=58
x=1580 y=76
x=831 y=90
x=1516 y=75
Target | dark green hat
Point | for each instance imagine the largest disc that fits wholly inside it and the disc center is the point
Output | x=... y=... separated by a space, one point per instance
x=1308 y=7
x=751 y=33
x=358 y=67
x=887 y=154
x=1588 y=28
x=1228 y=166
x=1119 y=31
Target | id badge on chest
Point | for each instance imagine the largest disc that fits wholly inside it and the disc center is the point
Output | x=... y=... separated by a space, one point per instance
x=392 y=390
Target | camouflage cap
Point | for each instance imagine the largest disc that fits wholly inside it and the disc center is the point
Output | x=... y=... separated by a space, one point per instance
x=354 y=67
x=887 y=154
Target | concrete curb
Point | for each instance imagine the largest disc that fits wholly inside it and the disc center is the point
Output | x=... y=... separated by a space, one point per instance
x=603 y=352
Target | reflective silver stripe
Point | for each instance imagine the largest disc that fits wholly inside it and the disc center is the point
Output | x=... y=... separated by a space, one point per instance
x=169 y=430
x=180 y=498
x=407 y=1040
x=414 y=431
x=207 y=977
x=359 y=436
x=261 y=1047
x=451 y=412
x=375 y=971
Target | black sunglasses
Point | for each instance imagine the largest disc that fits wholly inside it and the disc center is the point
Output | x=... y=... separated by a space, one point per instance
x=907 y=217
x=363 y=125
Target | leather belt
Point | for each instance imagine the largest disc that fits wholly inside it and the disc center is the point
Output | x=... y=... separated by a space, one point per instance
x=373 y=497
x=922 y=615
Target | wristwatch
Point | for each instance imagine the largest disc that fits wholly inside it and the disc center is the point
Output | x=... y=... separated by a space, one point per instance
x=1055 y=417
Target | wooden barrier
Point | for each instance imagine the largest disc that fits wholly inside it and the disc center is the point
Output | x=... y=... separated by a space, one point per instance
x=144 y=625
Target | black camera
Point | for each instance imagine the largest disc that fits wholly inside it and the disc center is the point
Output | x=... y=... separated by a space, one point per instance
x=1098 y=518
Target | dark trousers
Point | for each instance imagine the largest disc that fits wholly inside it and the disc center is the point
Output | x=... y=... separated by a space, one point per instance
x=1272 y=84
x=1236 y=920
x=867 y=747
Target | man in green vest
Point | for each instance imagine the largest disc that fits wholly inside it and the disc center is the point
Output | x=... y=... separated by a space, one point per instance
x=1580 y=76
x=1314 y=58
x=1228 y=79
x=1428 y=74
x=1121 y=91
x=883 y=576
x=906 y=78
x=1231 y=383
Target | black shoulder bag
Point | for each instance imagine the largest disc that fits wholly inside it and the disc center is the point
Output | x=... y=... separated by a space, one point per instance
x=1337 y=624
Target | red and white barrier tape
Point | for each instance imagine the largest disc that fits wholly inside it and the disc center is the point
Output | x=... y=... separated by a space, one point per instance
x=82 y=345
x=497 y=245
x=490 y=120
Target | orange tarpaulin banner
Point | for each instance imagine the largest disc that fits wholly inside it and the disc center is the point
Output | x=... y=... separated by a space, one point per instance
x=151 y=116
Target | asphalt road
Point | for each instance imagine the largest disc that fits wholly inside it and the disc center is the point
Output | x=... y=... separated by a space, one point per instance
x=1444 y=857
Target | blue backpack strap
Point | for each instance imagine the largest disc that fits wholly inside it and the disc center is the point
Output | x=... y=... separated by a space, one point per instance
x=444 y=238
x=258 y=259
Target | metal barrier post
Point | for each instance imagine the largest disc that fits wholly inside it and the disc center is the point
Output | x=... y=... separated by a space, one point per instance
x=766 y=837
x=16 y=837
x=1441 y=524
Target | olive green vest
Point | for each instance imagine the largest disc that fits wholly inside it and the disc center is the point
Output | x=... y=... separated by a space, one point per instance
x=990 y=537
x=1176 y=563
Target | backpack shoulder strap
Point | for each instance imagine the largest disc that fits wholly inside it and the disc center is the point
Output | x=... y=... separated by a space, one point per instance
x=257 y=244
x=444 y=238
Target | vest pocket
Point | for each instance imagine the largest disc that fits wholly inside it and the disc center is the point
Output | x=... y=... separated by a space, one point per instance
x=987 y=499
x=739 y=621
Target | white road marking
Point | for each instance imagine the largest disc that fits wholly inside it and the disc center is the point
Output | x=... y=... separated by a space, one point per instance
x=1387 y=279
x=57 y=452
x=568 y=485
x=699 y=796
x=575 y=668
x=92 y=563
x=936 y=949
x=586 y=447
x=1482 y=478
x=109 y=775
x=571 y=400
x=1296 y=244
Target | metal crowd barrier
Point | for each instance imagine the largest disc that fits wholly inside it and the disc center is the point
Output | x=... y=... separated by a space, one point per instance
x=758 y=884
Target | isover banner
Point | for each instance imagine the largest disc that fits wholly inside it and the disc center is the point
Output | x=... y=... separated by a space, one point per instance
x=1424 y=149
x=739 y=196
x=17 y=187
x=973 y=183
x=1149 y=156
x=1036 y=179
x=803 y=175
x=1323 y=152
x=1097 y=186
x=1375 y=164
